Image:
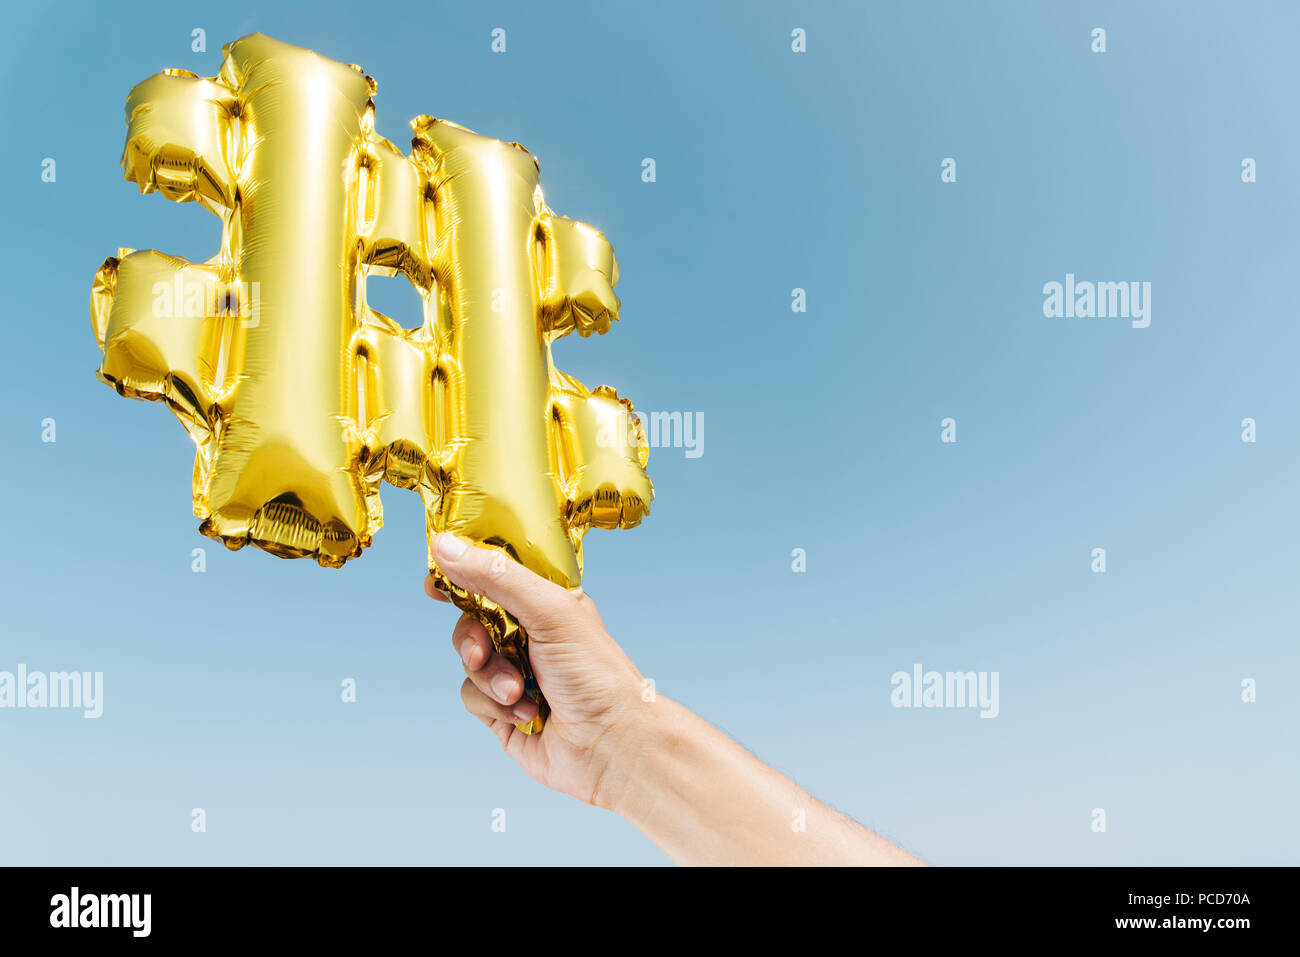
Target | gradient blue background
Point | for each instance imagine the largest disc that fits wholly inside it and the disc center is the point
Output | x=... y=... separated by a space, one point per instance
x=775 y=170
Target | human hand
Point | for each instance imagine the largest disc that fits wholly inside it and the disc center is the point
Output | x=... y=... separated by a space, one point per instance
x=691 y=789
x=593 y=689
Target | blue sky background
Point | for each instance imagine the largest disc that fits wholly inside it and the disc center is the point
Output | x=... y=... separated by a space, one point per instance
x=775 y=170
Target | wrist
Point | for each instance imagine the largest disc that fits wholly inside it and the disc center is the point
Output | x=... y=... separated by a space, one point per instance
x=641 y=757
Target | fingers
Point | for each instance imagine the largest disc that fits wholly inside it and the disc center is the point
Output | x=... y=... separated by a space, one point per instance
x=431 y=590
x=495 y=677
x=487 y=710
x=536 y=602
x=472 y=643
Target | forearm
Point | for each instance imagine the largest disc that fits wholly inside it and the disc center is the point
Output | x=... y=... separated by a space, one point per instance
x=706 y=800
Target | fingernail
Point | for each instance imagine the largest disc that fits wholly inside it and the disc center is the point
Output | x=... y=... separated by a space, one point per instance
x=524 y=715
x=503 y=686
x=450 y=547
x=466 y=649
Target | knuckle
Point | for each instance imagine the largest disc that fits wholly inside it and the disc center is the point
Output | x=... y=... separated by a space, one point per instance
x=579 y=606
x=497 y=568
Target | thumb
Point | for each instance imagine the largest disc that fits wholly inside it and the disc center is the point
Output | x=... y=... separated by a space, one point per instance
x=539 y=604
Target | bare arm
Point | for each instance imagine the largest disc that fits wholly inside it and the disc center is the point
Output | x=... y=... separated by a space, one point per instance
x=691 y=789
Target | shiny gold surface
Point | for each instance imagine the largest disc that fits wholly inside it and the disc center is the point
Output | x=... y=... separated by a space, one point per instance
x=300 y=398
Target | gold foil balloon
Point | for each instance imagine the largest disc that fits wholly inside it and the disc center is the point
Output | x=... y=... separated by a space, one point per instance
x=300 y=398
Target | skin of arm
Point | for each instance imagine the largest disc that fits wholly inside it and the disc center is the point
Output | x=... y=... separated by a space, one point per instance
x=692 y=790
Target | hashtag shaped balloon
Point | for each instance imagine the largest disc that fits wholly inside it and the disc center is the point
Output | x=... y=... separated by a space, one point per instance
x=300 y=398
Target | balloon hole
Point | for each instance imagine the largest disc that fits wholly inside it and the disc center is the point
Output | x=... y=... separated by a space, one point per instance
x=396 y=298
